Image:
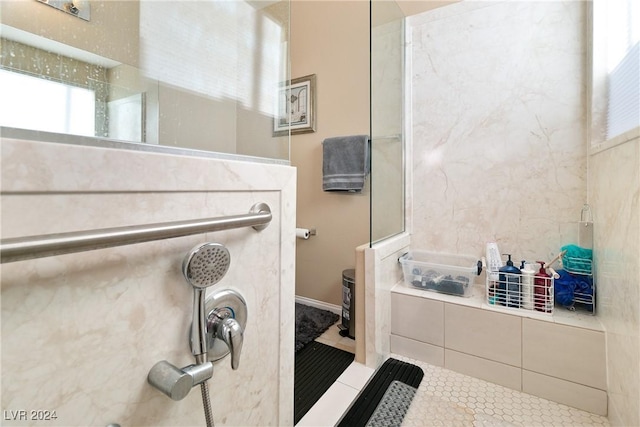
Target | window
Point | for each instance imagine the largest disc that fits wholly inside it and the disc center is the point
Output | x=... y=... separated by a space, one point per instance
x=29 y=102
x=623 y=66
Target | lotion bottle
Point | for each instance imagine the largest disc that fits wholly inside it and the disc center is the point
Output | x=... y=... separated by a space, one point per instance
x=542 y=284
x=509 y=285
x=527 y=285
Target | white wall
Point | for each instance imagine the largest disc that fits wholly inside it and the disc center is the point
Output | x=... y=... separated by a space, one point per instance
x=80 y=332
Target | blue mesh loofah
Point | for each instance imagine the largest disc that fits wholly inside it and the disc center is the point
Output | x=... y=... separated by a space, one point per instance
x=567 y=285
x=563 y=289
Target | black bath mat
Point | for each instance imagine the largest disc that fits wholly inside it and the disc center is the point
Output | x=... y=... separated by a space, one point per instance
x=311 y=322
x=317 y=367
x=394 y=404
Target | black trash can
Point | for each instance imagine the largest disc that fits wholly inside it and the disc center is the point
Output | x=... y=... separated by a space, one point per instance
x=348 y=326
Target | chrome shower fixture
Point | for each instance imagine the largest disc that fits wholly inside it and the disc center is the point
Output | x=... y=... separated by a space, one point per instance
x=204 y=266
x=221 y=317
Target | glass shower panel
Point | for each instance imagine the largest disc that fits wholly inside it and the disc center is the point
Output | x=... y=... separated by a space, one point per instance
x=198 y=75
x=387 y=120
x=219 y=64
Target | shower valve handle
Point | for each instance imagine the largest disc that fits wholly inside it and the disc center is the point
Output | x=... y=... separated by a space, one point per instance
x=224 y=326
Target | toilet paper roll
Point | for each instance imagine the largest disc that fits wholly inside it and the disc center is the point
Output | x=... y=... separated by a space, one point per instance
x=302 y=233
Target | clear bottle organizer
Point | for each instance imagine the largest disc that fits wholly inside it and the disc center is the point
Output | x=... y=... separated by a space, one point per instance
x=520 y=292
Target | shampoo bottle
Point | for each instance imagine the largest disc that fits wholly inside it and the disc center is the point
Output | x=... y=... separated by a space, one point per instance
x=509 y=285
x=542 y=285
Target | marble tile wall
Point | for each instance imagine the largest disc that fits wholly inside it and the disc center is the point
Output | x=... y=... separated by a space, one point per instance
x=615 y=199
x=498 y=133
x=382 y=271
x=81 y=331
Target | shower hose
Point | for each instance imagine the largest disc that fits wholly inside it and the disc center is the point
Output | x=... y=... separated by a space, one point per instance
x=206 y=403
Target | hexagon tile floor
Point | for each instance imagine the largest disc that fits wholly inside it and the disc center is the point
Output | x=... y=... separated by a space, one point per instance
x=447 y=398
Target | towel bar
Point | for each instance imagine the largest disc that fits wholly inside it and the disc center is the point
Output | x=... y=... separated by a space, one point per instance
x=23 y=248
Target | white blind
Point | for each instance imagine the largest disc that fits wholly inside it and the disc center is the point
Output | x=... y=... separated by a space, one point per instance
x=623 y=112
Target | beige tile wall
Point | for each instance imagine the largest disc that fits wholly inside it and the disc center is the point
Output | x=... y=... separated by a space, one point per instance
x=587 y=398
x=494 y=336
x=559 y=351
x=420 y=319
x=488 y=370
x=433 y=355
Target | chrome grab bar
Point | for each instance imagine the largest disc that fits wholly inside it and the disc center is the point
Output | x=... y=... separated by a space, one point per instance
x=23 y=248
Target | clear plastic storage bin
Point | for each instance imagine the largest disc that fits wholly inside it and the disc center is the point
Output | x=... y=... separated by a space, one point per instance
x=437 y=272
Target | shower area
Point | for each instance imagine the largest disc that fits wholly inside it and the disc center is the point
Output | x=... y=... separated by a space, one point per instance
x=487 y=126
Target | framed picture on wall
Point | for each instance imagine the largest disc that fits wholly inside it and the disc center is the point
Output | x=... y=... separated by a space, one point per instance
x=296 y=107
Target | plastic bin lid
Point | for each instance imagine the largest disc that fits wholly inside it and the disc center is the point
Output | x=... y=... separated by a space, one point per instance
x=438 y=258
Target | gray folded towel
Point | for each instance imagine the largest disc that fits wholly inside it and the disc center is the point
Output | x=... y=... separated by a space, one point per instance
x=345 y=163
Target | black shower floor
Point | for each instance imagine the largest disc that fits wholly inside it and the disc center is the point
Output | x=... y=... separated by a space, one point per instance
x=317 y=367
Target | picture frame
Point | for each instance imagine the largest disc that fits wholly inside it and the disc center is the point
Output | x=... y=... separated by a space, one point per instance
x=296 y=107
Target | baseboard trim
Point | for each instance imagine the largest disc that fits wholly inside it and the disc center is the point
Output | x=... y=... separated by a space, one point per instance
x=320 y=304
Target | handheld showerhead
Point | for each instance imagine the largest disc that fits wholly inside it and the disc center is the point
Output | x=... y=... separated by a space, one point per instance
x=204 y=266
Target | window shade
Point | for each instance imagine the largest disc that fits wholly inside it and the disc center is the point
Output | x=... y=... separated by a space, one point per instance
x=624 y=94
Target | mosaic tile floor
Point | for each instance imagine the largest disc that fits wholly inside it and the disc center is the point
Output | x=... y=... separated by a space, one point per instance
x=447 y=398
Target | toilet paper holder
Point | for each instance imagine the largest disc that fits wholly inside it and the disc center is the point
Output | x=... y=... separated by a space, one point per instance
x=305 y=233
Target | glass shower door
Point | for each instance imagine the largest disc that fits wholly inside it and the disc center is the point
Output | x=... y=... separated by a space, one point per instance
x=387 y=120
